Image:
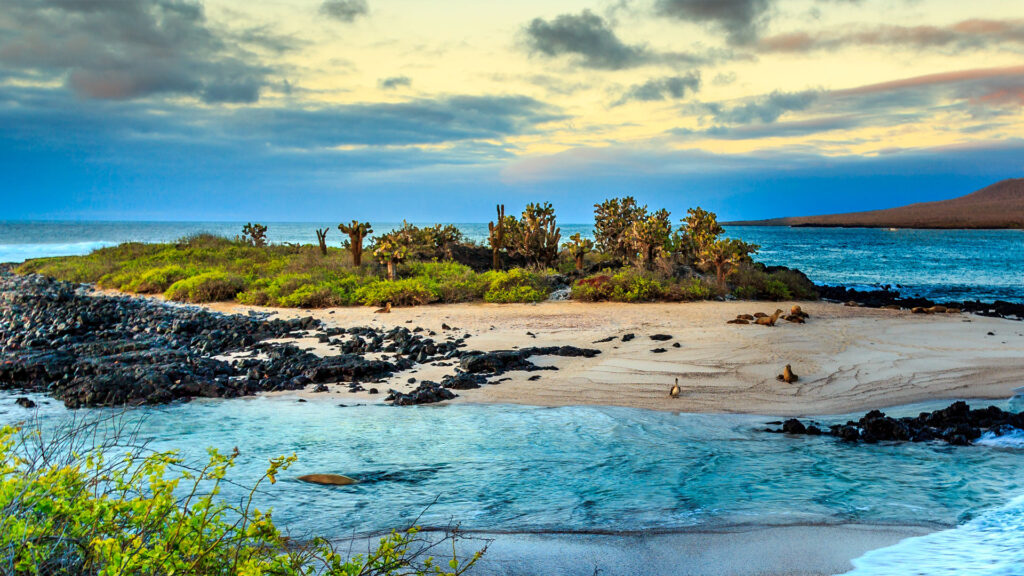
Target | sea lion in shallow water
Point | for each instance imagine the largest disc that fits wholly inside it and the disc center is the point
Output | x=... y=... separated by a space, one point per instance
x=328 y=479
x=674 y=392
x=787 y=375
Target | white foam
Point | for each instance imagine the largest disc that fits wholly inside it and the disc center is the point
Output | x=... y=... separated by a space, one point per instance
x=990 y=545
x=22 y=252
x=1013 y=439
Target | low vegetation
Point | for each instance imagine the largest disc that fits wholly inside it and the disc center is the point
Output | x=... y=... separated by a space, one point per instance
x=74 y=507
x=636 y=256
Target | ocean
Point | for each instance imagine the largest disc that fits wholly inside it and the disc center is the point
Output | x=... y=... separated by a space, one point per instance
x=958 y=265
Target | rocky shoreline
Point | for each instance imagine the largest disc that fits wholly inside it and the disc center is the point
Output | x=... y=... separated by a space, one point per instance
x=90 y=349
x=888 y=298
x=957 y=424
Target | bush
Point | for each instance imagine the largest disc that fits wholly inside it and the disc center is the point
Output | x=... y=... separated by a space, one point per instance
x=625 y=286
x=405 y=292
x=157 y=280
x=753 y=281
x=690 y=290
x=516 y=285
x=71 y=508
x=208 y=287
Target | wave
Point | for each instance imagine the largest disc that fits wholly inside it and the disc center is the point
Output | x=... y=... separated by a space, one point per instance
x=1011 y=439
x=22 y=252
x=990 y=545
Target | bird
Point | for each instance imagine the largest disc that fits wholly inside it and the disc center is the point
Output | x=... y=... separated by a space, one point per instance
x=787 y=375
x=675 y=390
x=385 y=310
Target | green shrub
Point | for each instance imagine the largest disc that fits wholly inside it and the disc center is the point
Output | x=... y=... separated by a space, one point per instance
x=404 y=292
x=156 y=280
x=752 y=281
x=516 y=285
x=69 y=508
x=208 y=287
x=626 y=286
x=691 y=289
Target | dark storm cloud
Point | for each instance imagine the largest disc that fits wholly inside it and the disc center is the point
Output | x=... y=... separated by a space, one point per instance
x=969 y=34
x=741 y=20
x=394 y=82
x=671 y=87
x=590 y=39
x=124 y=49
x=344 y=10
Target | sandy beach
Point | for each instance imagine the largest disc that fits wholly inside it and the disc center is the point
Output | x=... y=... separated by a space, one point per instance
x=848 y=359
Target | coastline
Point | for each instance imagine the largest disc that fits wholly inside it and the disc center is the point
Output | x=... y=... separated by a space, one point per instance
x=849 y=359
x=792 y=550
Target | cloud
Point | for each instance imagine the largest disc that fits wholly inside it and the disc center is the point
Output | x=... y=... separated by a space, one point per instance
x=741 y=20
x=344 y=10
x=968 y=34
x=763 y=109
x=124 y=49
x=590 y=39
x=394 y=82
x=587 y=36
x=674 y=87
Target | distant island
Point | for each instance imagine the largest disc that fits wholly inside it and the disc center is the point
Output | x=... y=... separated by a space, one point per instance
x=1000 y=205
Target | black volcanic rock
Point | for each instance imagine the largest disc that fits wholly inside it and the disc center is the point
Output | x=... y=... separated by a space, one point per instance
x=957 y=424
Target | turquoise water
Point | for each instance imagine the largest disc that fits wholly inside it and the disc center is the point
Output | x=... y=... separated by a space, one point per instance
x=939 y=264
x=585 y=469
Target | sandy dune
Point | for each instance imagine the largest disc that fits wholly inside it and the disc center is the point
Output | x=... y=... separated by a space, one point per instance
x=848 y=359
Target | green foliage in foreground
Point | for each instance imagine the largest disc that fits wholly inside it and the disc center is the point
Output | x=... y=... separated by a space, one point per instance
x=68 y=508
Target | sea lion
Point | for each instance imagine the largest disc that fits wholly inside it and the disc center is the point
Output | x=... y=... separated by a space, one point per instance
x=796 y=310
x=738 y=321
x=674 y=392
x=769 y=320
x=385 y=310
x=919 y=310
x=852 y=304
x=891 y=307
x=760 y=315
x=747 y=317
x=937 y=310
x=328 y=479
x=953 y=311
x=795 y=319
x=787 y=375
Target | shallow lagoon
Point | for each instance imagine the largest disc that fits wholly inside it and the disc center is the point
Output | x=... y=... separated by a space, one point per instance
x=574 y=469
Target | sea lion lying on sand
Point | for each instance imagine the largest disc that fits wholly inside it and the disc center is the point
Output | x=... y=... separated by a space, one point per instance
x=797 y=311
x=738 y=321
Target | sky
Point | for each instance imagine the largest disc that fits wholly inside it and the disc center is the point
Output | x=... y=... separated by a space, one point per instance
x=294 y=110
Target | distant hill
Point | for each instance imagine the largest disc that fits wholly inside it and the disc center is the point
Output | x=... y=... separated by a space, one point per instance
x=1000 y=205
